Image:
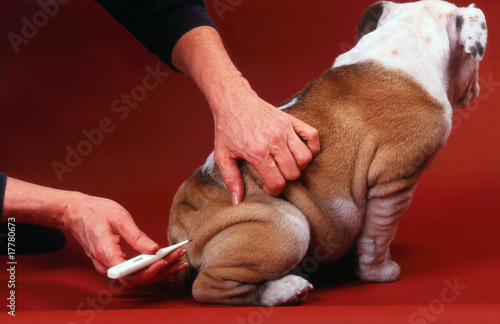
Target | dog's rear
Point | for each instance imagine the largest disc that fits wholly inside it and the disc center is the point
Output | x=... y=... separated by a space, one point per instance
x=379 y=128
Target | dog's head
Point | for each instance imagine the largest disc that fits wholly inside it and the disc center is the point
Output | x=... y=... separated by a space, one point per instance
x=465 y=42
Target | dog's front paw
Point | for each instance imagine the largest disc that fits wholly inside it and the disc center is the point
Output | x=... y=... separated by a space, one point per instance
x=385 y=271
x=287 y=290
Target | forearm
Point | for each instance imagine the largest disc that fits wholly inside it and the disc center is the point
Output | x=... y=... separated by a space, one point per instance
x=201 y=55
x=158 y=24
x=30 y=203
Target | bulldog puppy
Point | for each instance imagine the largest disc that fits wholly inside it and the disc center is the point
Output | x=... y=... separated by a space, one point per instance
x=382 y=111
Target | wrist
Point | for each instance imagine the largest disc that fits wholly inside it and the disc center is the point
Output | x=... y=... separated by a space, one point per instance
x=30 y=203
x=201 y=55
x=222 y=90
x=70 y=206
x=219 y=80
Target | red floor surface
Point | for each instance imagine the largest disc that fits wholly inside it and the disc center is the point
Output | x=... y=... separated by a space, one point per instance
x=63 y=81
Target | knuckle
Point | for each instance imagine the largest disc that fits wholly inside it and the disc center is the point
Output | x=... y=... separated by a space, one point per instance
x=278 y=184
x=126 y=283
x=99 y=255
x=314 y=132
x=138 y=236
x=259 y=152
x=231 y=183
x=277 y=138
x=230 y=180
x=293 y=175
x=218 y=157
x=100 y=269
x=304 y=158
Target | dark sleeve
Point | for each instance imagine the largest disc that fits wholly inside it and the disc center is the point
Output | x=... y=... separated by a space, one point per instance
x=158 y=24
x=3 y=182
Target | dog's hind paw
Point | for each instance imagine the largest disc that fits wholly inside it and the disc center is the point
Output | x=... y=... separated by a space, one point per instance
x=287 y=290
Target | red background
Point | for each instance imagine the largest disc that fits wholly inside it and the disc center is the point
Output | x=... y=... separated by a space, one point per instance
x=64 y=80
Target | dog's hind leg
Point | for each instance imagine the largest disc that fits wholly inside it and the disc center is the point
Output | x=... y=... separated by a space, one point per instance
x=247 y=263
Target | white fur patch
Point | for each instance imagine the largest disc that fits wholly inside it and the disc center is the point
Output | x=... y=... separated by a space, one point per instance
x=289 y=104
x=349 y=213
x=296 y=222
x=286 y=290
x=208 y=167
x=410 y=37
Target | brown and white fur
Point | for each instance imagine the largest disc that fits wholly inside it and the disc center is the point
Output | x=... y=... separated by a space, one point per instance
x=382 y=111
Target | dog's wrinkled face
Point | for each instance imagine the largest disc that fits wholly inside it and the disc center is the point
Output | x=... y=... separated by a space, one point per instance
x=466 y=37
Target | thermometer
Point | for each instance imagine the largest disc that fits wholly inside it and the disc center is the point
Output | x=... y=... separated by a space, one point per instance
x=141 y=261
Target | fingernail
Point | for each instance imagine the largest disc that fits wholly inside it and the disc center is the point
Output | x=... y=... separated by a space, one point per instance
x=154 y=246
x=183 y=265
x=234 y=197
x=182 y=252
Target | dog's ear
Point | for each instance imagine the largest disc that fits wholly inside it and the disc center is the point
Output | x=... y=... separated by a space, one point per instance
x=468 y=36
x=370 y=17
x=467 y=31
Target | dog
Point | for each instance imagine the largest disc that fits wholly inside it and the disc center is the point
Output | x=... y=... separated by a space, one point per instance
x=382 y=111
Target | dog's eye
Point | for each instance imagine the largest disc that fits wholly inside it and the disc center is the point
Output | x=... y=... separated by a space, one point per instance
x=459 y=22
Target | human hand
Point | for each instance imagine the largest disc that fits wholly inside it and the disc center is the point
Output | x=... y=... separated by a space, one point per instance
x=247 y=127
x=100 y=224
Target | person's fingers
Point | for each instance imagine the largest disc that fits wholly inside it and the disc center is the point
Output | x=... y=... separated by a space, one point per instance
x=145 y=275
x=287 y=164
x=100 y=244
x=231 y=175
x=174 y=255
x=271 y=175
x=167 y=272
x=300 y=152
x=173 y=265
x=101 y=268
x=160 y=270
x=105 y=247
x=285 y=146
x=260 y=158
x=137 y=239
x=308 y=134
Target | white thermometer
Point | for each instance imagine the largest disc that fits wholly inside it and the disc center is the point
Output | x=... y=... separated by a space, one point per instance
x=141 y=261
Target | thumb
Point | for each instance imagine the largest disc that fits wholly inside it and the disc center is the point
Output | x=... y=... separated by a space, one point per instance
x=232 y=178
x=136 y=238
